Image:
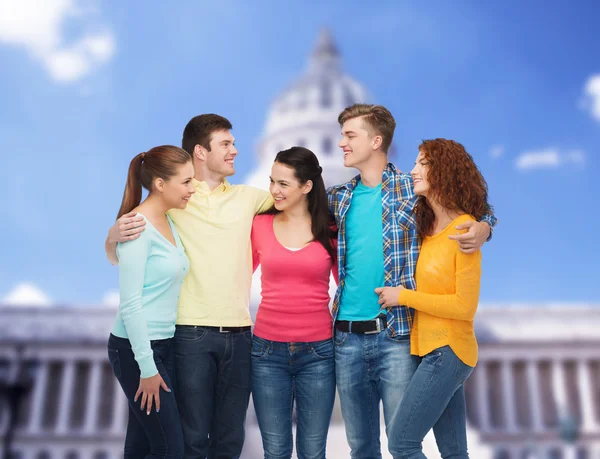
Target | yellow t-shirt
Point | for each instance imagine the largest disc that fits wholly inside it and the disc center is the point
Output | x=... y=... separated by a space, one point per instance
x=215 y=231
x=446 y=297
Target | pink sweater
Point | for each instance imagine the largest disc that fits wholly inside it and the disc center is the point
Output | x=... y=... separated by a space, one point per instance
x=295 y=287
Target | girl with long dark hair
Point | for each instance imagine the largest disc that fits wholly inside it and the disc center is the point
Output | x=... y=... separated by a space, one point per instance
x=151 y=271
x=292 y=347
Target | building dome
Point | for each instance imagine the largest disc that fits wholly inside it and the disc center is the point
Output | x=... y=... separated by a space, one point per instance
x=306 y=113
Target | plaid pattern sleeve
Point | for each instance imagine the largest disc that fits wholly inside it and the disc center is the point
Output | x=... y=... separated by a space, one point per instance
x=490 y=220
x=400 y=241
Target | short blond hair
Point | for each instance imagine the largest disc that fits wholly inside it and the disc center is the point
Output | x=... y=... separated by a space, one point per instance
x=378 y=120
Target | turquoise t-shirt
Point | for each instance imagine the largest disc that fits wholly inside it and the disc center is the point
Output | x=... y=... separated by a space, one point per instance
x=364 y=255
x=151 y=271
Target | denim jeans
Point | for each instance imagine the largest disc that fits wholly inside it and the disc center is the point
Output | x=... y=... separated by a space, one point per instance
x=282 y=373
x=371 y=368
x=435 y=398
x=212 y=382
x=157 y=435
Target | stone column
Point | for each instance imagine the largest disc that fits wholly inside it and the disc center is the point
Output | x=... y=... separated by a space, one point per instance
x=533 y=386
x=559 y=388
x=586 y=397
x=482 y=396
x=65 y=398
x=120 y=409
x=508 y=396
x=94 y=391
x=38 y=400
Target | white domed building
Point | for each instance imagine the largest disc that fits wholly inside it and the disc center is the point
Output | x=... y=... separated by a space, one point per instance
x=306 y=113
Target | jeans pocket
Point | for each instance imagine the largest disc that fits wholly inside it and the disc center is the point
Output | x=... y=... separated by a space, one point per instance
x=113 y=358
x=340 y=337
x=260 y=348
x=323 y=350
x=403 y=339
x=190 y=334
x=247 y=336
x=462 y=372
x=433 y=358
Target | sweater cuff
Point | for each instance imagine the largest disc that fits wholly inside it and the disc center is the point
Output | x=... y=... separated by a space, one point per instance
x=147 y=367
x=404 y=297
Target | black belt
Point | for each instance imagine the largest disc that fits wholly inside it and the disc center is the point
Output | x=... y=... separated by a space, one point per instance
x=362 y=326
x=221 y=329
x=230 y=329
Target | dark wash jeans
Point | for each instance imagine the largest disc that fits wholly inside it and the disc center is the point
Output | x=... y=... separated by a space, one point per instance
x=282 y=373
x=212 y=382
x=157 y=435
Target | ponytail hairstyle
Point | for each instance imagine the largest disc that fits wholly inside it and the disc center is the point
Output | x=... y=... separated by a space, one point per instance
x=306 y=167
x=158 y=162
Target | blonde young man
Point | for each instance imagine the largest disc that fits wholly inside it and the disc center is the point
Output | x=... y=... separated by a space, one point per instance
x=377 y=247
x=212 y=337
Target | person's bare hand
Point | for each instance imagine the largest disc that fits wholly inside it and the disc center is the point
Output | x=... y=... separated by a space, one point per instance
x=474 y=238
x=388 y=296
x=127 y=228
x=149 y=390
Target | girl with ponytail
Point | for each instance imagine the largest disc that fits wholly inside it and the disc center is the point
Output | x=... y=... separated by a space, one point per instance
x=152 y=266
x=292 y=347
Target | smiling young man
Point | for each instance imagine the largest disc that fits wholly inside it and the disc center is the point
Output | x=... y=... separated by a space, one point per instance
x=212 y=337
x=377 y=246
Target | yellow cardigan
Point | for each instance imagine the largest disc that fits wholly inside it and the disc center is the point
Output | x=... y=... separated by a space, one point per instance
x=446 y=297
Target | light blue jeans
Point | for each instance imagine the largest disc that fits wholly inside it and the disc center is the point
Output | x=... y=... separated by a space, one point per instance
x=286 y=372
x=435 y=398
x=371 y=368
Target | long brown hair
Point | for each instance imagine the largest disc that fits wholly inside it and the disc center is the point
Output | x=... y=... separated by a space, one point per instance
x=455 y=182
x=158 y=162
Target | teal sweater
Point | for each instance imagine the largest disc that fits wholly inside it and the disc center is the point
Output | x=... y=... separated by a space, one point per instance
x=151 y=271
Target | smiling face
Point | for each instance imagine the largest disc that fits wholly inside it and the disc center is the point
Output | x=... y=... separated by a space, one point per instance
x=220 y=158
x=178 y=189
x=419 y=175
x=357 y=143
x=285 y=188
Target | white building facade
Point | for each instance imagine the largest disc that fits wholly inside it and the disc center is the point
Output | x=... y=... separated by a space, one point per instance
x=534 y=369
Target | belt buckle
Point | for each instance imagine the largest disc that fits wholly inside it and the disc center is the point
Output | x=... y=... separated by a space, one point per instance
x=377 y=329
x=223 y=331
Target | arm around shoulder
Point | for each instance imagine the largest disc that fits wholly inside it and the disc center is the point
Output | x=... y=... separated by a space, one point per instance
x=111 y=251
x=263 y=200
x=127 y=228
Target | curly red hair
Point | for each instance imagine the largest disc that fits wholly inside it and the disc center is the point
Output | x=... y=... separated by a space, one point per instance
x=455 y=182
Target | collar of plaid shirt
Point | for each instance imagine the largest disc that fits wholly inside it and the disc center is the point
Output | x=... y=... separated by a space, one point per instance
x=400 y=240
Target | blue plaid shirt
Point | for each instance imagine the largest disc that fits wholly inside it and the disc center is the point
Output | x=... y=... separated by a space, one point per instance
x=400 y=239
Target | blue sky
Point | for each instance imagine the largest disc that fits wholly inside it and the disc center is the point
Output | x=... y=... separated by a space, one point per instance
x=99 y=81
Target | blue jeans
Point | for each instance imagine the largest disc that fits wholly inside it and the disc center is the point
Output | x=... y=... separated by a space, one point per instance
x=212 y=382
x=157 y=435
x=371 y=368
x=435 y=398
x=282 y=372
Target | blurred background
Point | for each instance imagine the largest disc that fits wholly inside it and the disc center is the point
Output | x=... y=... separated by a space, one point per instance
x=87 y=84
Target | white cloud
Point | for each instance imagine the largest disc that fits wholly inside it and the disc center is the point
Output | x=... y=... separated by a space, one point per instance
x=111 y=299
x=496 y=151
x=591 y=96
x=26 y=294
x=39 y=27
x=549 y=158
